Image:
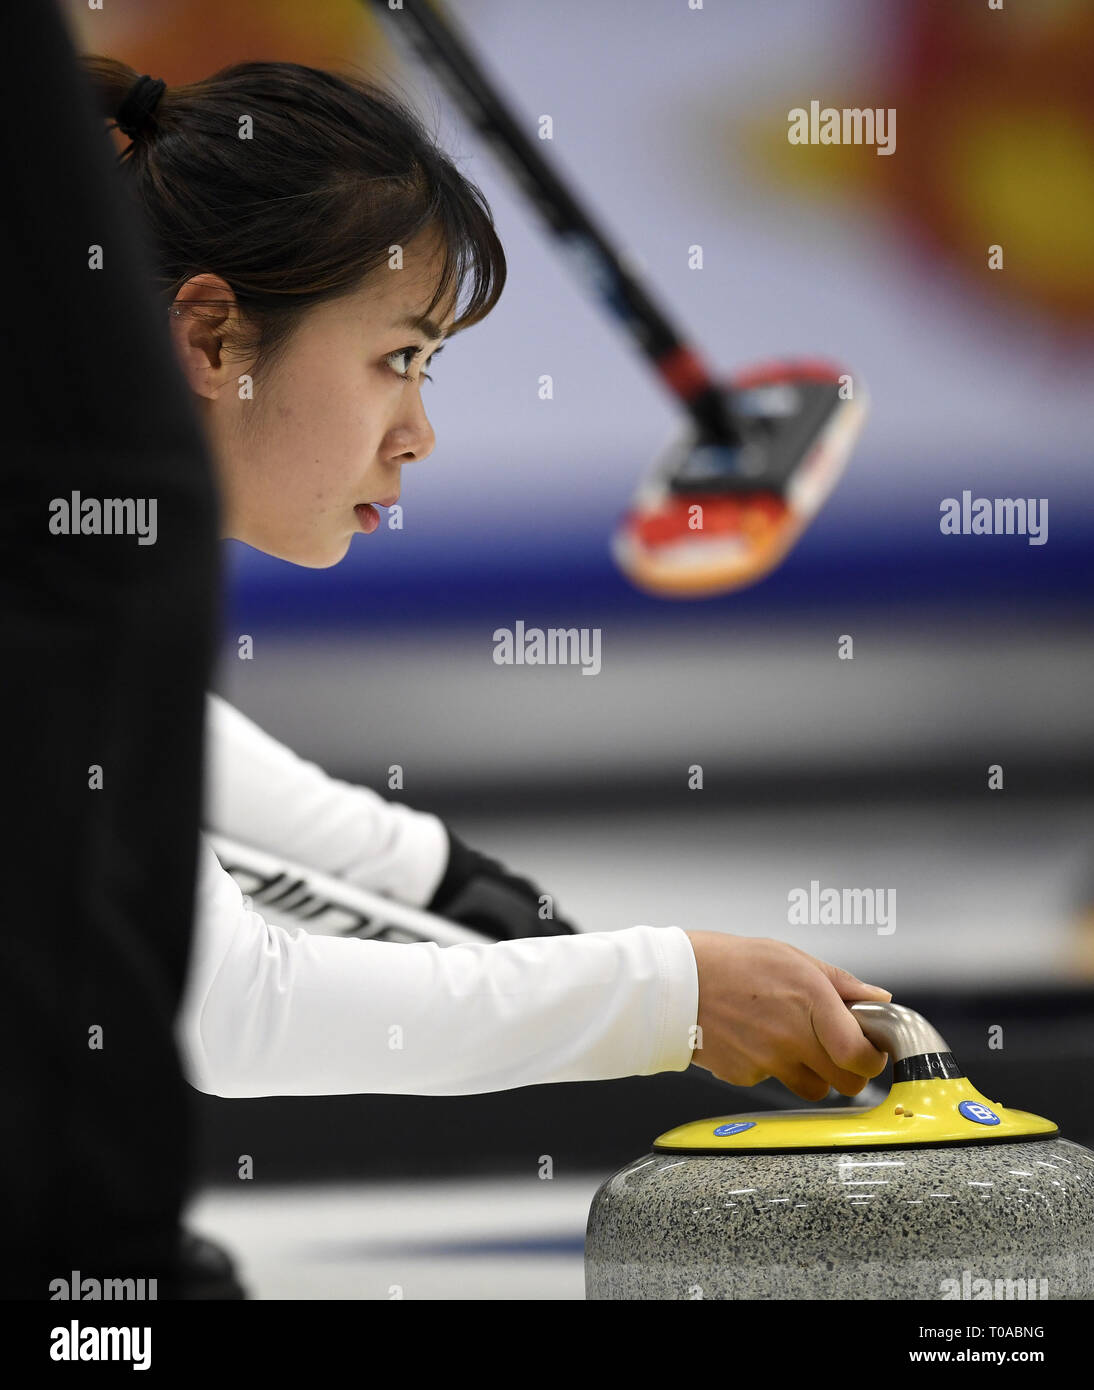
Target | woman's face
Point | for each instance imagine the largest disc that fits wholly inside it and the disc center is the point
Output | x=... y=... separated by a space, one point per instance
x=333 y=421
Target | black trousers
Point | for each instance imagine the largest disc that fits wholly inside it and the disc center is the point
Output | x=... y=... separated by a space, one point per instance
x=106 y=646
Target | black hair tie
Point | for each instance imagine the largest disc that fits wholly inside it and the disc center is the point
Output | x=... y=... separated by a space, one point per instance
x=140 y=101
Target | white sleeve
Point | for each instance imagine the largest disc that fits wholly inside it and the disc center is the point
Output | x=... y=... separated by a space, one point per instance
x=260 y=792
x=272 y=1012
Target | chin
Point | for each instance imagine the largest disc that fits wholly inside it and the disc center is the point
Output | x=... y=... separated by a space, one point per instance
x=312 y=557
x=328 y=559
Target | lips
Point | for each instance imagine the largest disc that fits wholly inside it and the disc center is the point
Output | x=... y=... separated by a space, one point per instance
x=381 y=502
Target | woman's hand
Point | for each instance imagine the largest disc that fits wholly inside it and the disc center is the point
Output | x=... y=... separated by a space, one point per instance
x=768 y=1009
x=480 y=893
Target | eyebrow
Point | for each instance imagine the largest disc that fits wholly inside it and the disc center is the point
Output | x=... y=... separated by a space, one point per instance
x=423 y=324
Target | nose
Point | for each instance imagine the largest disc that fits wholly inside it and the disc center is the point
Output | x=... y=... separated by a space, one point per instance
x=413 y=438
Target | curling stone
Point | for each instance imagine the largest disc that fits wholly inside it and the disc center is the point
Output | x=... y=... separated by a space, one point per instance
x=936 y=1193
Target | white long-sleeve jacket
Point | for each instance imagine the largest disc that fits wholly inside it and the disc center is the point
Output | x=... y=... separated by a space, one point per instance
x=273 y=1012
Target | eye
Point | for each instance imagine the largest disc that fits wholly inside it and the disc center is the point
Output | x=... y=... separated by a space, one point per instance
x=410 y=353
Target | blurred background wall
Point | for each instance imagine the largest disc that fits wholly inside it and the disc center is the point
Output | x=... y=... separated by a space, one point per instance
x=969 y=650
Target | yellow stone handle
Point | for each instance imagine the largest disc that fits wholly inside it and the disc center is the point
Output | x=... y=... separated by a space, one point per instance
x=898 y=1030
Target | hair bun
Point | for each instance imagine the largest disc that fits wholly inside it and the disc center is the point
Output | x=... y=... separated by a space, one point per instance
x=140 y=101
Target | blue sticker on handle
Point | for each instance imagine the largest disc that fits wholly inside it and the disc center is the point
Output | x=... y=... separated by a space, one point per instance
x=735 y=1128
x=974 y=1110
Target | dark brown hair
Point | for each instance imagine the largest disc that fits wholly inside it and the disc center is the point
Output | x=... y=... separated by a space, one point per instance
x=338 y=171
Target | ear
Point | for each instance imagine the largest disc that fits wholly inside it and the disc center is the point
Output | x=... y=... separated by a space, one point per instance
x=196 y=320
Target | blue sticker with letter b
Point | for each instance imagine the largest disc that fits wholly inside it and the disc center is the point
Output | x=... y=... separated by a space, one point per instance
x=735 y=1128
x=973 y=1110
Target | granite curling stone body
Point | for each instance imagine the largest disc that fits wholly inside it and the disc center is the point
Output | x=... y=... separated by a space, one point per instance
x=936 y=1193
